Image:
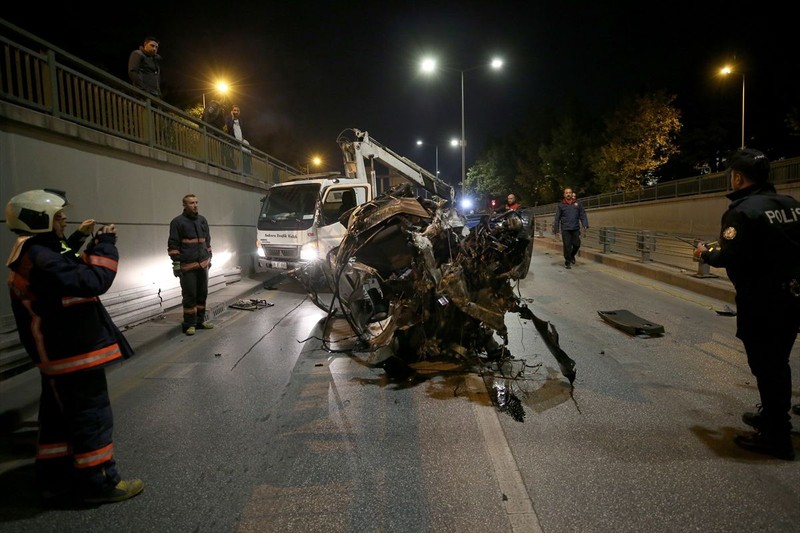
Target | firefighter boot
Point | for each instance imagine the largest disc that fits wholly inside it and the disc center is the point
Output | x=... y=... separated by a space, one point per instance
x=202 y=323
x=125 y=489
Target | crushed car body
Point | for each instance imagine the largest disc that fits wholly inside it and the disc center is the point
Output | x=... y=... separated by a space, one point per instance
x=414 y=284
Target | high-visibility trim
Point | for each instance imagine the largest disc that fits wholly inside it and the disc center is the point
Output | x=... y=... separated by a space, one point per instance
x=185 y=267
x=173 y=252
x=95 y=457
x=80 y=362
x=67 y=301
x=101 y=261
x=196 y=240
x=53 y=450
x=36 y=330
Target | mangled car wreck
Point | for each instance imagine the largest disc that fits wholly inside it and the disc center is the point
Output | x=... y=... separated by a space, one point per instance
x=414 y=283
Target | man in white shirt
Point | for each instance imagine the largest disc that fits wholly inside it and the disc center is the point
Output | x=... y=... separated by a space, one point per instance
x=233 y=126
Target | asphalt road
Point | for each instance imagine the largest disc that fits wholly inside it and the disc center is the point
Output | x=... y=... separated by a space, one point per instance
x=255 y=426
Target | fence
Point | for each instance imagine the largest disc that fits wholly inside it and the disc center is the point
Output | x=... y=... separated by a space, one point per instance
x=782 y=171
x=52 y=81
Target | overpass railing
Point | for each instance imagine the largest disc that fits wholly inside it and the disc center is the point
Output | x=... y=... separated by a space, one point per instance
x=37 y=75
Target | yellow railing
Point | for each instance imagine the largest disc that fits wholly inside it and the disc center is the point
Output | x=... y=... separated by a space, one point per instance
x=54 y=82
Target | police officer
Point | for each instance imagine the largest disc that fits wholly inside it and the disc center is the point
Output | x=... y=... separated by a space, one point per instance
x=759 y=246
x=70 y=337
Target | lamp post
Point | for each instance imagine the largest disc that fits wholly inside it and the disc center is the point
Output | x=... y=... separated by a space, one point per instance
x=420 y=143
x=726 y=70
x=428 y=65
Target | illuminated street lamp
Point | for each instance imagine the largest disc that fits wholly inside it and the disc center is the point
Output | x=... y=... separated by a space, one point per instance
x=420 y=143
x=428 y=66
x=726 y=70
x=221 y=87
x=315 y=161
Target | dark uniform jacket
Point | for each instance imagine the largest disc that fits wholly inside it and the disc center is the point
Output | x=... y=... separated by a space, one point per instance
x=144 y=71
x=55 y=299
x=189 y=241
x=569 y=216
x=759 y=247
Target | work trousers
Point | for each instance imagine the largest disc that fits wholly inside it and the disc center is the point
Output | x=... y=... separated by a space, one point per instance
x=194 y=290
x=768 y=358
x=571 y=240
x=75 y=449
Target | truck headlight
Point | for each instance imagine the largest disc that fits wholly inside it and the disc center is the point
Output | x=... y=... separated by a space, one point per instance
x=260 y=250
x=309 y=252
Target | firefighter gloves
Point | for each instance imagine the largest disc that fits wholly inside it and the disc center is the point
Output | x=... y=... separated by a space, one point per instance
x=176 y=268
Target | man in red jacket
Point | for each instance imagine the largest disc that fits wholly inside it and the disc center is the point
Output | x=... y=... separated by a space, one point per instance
x=71 y=338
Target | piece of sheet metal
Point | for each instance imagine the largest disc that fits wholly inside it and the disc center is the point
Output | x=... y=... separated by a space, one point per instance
x=629 y=323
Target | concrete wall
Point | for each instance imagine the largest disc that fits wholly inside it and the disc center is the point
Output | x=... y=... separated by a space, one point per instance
x=133 y=186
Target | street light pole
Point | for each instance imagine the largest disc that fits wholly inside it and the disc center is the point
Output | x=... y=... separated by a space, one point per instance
x=463 y=136
x=429 y=65
x=742 y=111
x=729 y=70
x=436 y=146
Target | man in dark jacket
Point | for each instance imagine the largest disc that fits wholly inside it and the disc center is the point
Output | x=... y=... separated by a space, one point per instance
x=570 y=216
x=189 y=247
x=759 y=246
x=144 y=67
x=70 y=337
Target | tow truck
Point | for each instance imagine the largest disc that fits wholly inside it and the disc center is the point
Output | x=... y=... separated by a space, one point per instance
x=299 y=220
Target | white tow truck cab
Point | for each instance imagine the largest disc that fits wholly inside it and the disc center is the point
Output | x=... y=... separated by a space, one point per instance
x=299 y=218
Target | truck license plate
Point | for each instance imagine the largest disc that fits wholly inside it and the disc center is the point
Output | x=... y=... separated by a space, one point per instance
x=279 y=264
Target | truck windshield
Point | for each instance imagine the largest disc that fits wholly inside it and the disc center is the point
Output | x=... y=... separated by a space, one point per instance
x=289 y=208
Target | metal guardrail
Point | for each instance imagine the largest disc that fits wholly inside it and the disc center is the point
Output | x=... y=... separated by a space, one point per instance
x=54 y=82
x=669 y=249
x=782 y=171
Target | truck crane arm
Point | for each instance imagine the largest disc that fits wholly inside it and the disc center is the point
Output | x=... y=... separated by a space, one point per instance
x=363 y=147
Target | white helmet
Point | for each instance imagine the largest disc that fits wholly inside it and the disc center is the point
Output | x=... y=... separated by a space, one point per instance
x=33 y=211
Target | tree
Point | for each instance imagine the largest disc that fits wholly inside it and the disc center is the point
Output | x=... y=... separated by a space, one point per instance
x=567 y=158
x=639 y=138
x=493 y=173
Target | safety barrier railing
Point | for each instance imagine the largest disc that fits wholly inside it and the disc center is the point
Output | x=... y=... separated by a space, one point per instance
x=54 y=82
x=782 y=171
x=669 y=249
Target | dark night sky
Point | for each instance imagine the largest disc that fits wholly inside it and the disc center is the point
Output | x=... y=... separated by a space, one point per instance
x=305 y=71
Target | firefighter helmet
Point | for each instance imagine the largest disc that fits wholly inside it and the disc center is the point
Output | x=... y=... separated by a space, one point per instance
x=33 y=211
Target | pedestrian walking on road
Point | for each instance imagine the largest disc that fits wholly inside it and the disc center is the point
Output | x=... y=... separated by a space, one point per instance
x=759 y=246
x=189 y=247
x=570 y=216
x=71 y=338
x=144 y=67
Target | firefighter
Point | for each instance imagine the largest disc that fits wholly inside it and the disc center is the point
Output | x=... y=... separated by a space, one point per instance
x=189 y=247
x=71 y=338
x=759 y=246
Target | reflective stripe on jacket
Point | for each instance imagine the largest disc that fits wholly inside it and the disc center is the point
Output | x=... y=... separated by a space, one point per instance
x=189 y=241
x=54 y=296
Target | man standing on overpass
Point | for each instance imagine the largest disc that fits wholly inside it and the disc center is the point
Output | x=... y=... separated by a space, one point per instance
x=570 y=216
x=760 y=249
